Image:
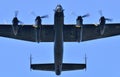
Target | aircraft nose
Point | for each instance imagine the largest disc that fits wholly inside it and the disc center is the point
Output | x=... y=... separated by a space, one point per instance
x=59 y=8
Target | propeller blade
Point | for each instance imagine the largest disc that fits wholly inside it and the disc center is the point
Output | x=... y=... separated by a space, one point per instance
x=108 y=19
x=45 y=16
x=100 y=12
x=16 y=13
x=21 y=23
x=33 y=13
x=72 y=13
x=86 y=15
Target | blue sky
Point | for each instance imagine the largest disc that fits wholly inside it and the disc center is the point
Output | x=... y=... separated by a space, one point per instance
x=103 y=54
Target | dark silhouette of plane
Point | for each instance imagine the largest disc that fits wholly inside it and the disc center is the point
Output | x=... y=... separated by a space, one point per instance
x=59 y=33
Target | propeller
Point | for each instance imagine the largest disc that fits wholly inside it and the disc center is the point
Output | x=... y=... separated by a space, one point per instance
x=101 y=14
x=108 y=19
x=86 y=15
x=34 y=14
x=16 y=19
x=45 y=16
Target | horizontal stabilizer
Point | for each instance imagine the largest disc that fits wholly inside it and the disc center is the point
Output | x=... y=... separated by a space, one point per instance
x=51 y=67
x=70 y=66
x=45 y=67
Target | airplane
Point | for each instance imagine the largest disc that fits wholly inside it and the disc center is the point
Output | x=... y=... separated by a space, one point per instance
x=59 y=33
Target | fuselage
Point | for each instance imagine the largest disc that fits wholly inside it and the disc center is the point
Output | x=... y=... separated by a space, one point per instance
x=58 y=39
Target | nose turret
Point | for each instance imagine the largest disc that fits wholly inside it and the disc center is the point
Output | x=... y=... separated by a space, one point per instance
x=59 y=8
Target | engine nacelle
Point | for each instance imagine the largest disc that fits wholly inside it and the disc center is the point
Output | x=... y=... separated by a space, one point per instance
x=79 y=21
x=102 y=25
x=79 y=28
x=15 y=26
x=38 y=28
x=38 y=21
x=102 y=29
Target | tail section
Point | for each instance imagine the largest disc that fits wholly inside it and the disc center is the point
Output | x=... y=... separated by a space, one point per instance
x=65 y=66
